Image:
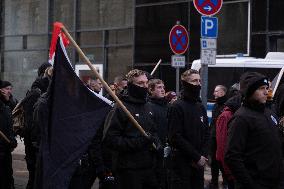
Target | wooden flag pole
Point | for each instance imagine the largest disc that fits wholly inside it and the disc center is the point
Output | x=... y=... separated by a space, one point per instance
x=157 y=65
x=4 y=137
x=87 y=61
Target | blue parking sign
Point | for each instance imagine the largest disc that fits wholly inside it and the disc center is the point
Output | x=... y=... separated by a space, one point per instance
x=209 y=27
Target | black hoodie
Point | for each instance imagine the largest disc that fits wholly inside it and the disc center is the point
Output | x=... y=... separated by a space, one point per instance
x=254 y=147
x=133 y=149
x=188 y=126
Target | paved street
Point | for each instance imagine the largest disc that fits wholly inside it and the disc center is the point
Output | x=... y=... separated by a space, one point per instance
x=21 y=173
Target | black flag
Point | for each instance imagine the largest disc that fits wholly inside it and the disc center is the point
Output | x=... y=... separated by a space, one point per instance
x=75 y=114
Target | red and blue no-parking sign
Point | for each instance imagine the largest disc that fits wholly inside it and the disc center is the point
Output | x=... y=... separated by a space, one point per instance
x=178 y=39
x=208 y=7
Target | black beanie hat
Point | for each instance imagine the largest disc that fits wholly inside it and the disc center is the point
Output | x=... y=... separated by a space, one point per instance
x=250 y=82
x=5 y=84
x=42 y=68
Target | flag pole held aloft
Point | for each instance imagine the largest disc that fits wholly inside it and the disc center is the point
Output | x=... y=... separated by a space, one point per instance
x=157 y=65
x=87 y=61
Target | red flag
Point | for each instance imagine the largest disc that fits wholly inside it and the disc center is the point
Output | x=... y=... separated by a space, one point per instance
x=55 y=34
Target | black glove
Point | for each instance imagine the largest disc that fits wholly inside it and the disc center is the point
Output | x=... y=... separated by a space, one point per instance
x=13 y=144
x=150 y=138
x=155 y=140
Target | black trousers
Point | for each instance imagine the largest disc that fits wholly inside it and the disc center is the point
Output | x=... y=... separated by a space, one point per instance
x=187 y=177
x=161 y=173
x=83 y=178
x=31 y=157
x=137 y=179
x=6 y=169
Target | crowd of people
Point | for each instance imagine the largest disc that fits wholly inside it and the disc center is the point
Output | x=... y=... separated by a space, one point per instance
x=244 y=139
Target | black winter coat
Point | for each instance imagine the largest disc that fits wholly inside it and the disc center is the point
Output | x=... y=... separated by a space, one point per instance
x=160 y=108
x=134 y=151
x=188 y=129
x=6 y=126
x=254 y=148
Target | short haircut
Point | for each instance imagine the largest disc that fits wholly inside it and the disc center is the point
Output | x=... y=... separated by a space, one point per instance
x=134 y=73
x=153 y=82
x=188 y=73
x=222 y=87
x=119 y=79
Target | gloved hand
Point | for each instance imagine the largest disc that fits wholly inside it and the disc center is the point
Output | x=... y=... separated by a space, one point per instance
x=157 y=144
x=13 y=144
x=150 y=138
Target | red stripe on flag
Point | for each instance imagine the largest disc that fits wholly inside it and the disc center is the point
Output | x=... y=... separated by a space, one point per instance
x=55 y=33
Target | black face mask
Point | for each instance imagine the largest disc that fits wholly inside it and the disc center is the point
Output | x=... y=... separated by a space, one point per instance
x=136 y=91
x=191 y=91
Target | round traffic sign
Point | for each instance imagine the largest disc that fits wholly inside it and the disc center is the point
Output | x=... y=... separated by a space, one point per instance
x=208 y=7
x=178 y=39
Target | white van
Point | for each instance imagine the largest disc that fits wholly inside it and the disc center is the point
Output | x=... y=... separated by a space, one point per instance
x=227 y=71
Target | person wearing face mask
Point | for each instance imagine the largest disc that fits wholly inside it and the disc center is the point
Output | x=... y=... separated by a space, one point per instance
x=188 y=135
x=134 y=153
x=220 y=97
x=254 y=147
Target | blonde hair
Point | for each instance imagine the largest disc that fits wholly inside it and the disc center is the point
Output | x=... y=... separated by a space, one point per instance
x=134 y=73
x=188 y=73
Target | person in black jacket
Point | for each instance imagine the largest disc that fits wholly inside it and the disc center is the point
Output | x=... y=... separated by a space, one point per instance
x=7 y=96
x=6 y=171
x=188 y=135
x=160 y=108
x=220 y=97
x=135 y=155
x=254 y=147
x=30 y=133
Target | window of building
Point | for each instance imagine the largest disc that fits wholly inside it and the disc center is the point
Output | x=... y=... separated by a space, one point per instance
x=152 y=28
x=258 y=17
x=119 y=61
x=233 y=32
x=276 y=15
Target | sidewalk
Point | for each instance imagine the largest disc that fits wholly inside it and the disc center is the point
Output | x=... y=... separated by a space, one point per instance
x=21 y=173
x=19 y=152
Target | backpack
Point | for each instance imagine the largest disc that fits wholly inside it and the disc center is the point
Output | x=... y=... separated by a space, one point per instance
x=22 y=114
x=18 y=119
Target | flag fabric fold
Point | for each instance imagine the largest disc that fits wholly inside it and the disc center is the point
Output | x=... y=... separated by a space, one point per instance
x=75 y=115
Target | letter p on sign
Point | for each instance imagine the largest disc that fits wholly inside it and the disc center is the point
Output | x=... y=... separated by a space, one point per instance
x=209 y=27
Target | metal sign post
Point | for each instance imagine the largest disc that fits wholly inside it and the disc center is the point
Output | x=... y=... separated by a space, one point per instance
x=177 y=80
x=208 y=43
x=204 y=81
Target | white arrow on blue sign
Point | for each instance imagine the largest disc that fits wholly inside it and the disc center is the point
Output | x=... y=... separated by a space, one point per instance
x=209 y=27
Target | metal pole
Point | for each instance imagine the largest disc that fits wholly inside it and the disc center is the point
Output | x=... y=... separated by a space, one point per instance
x=177 y=80
x=204 y=83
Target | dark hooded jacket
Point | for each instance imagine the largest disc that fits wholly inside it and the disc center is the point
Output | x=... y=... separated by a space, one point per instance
x=223 y=119
x=254 y=147
x=6 y=126
x=216 y=111
x=188 y=128
x=39 y=87
x=160 y=108
x=133 y=150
